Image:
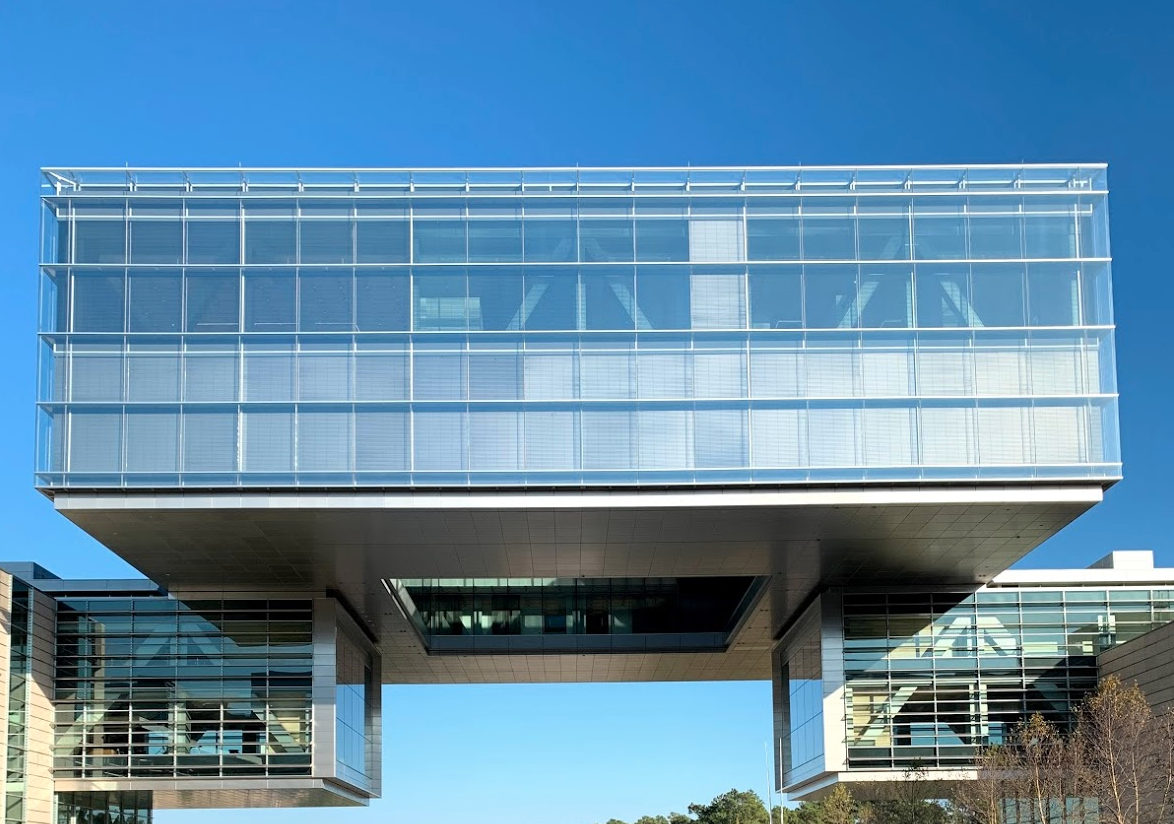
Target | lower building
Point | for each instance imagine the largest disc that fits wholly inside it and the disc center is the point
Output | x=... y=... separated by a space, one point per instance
x=872 y=681
x=122 y=697
x=126 y=698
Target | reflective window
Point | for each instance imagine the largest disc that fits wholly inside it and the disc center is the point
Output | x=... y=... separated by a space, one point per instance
x=602 y=241
x=997 y=295
x=270 y=241
x=495 y=241
x=550 y=241
x=156 y=241
x=830 y=297
x=98 y=301
x=381 y=241
x=213 y=301
x=772 y=238
x=439 y=241
x=662 y=240
x=270 y=300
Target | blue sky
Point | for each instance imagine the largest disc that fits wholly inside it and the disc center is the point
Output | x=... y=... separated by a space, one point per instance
x=602 y=83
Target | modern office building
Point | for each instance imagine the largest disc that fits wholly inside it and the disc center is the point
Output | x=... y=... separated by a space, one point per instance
x=574 y=424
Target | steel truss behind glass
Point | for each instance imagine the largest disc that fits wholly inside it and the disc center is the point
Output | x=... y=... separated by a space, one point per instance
x=387 y=328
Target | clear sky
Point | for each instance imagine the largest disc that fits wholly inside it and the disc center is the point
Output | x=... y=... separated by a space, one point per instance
x=610 y=82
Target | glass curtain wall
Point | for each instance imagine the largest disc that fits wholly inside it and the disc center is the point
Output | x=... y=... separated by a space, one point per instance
x=17 y=685
x=798 y=669
x=154 y=687
x=668 y=613
x=595 y=334
x=932 y=678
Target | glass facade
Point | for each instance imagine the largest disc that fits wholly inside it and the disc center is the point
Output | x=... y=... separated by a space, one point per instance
x=933 y=677
x=125 y=807
x=19 y=673
x=799 y=671
x=650 y=613
x=155 y=687
x=355 y=752
x=559 y=327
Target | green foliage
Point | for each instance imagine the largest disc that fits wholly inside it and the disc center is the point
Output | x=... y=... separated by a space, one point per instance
x=654 y=819
x=733 y=807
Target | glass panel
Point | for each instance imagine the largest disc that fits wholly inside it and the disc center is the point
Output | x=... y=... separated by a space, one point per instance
x=772 y=238
x=997 y=294
x=886 y=297
x=214 y=241
x=495 y=241
x=213 y=301
x=441 y=300
x=602 y=241
x=551 y=299
x=382 y=241
x=662 y=240
x=943 y=296
x=608 y=298
x=550 y=241
x=100 y=241
x=884 y=230
x=1052 y=294
x=776 y=297
x=996 y=229
x=325 y=241
x=270 y=241
x=439 y=241
x=381 y=300
x=939 y=228
x=829 y=231
x=326 y=304
x=156 y=241
x=155 y=303
x=98 y=301
x=1049 y=231
x=495 y=299
x=270 y=300
x=662 y=298
x=830 y=297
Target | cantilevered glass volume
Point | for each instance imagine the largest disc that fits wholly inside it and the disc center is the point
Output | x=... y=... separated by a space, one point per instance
x=562 y=327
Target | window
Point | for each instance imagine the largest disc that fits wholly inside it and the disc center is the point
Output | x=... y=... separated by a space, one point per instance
x=943 y=296
x=772 y=238
x=609 y=298
x=381 y=300
x=100 y=241
x=214 y=241
x=213 y=301
x=603 y=241
x=829 y=231
x=830 y=296
x=662 y=297
x=662 y=240
x=439 y=241
x=270 y=300
x=156 y=241
x=550 y=299
x=381 y=241
x=325 y=241
x=495 y=241
x=997 y=294
x=155 y=303
x=550 y=241
x=270 y=241
x=325 y=303
x=98 y=301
